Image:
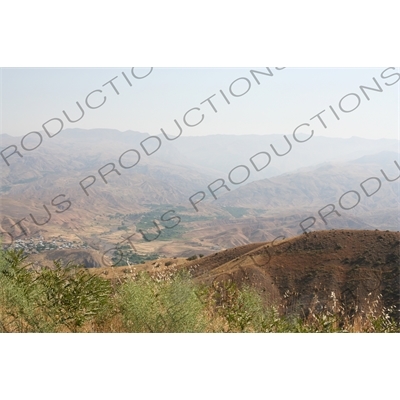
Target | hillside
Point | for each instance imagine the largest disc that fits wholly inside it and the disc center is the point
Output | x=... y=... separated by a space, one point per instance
x=302 y=272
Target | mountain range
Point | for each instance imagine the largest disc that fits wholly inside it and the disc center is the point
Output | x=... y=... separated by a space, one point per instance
x=313 y=176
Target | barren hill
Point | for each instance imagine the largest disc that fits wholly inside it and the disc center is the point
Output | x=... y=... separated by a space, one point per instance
x=301 y=273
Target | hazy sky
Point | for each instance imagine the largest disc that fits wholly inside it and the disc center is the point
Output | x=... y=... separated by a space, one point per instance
x=32 y=96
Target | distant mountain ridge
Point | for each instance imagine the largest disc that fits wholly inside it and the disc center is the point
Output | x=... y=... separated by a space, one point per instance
x=293 y=187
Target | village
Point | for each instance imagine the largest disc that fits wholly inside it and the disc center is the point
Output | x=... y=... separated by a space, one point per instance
x=39 y=245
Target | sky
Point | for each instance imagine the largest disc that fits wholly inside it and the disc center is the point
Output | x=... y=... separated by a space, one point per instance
x=277 y=105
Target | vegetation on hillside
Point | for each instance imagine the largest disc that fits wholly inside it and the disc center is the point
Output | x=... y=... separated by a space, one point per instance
x=68 y=298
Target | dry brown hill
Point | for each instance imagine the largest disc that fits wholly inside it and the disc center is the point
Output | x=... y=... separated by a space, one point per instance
x=302 y=272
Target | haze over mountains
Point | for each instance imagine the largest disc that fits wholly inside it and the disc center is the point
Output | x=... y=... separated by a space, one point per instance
x=270 y=202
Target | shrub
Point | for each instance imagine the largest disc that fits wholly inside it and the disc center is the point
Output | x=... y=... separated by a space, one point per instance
x=72 y=296
x=171 y=305
x=242 y=309
x=50 y=300
x=19 y=296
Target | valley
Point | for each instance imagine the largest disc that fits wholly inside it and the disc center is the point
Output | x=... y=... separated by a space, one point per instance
x=147 y=212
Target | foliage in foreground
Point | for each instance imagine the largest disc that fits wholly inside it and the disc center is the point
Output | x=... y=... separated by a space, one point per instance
x=71 y=299
x=63 y=298
x=161 y=305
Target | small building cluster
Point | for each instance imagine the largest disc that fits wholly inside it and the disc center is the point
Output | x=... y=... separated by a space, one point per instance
x=38 y=245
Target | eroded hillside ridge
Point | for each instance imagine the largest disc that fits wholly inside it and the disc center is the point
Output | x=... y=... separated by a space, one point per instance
x=361 y=269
